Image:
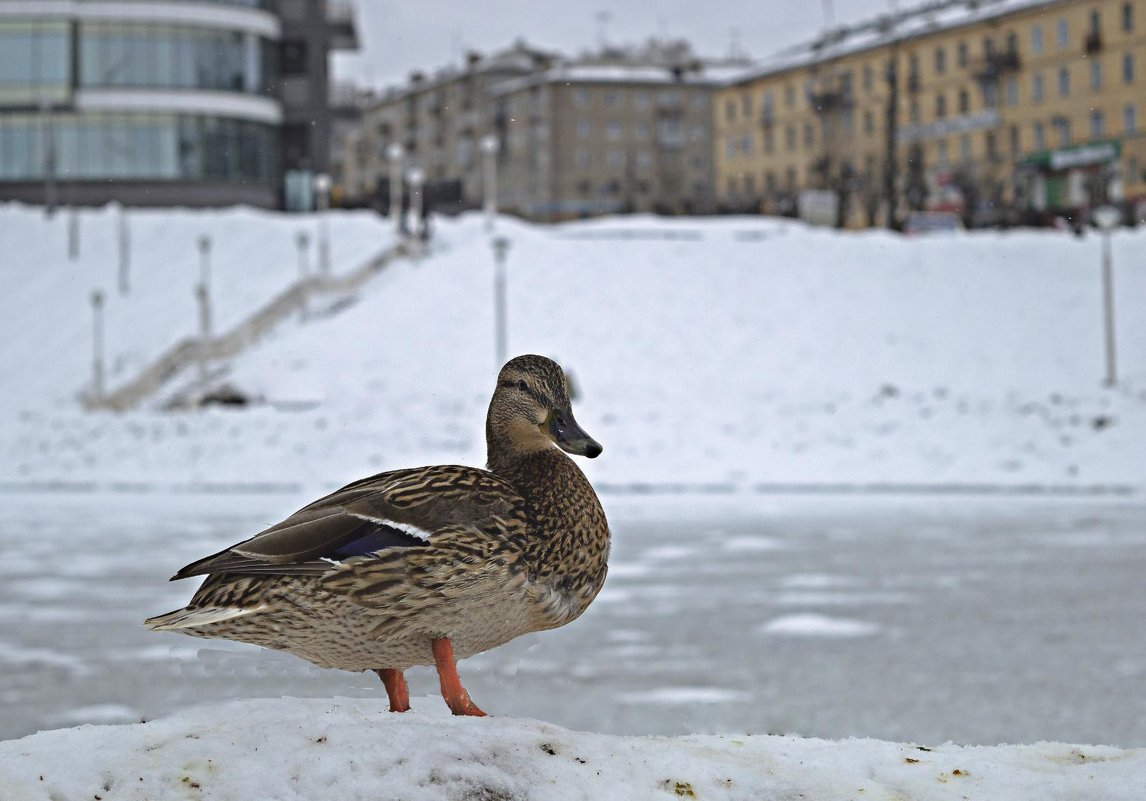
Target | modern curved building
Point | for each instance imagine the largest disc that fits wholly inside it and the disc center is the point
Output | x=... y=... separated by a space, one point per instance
x=175 y=102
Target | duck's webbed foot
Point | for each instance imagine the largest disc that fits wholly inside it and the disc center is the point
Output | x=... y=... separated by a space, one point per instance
x=455 y=695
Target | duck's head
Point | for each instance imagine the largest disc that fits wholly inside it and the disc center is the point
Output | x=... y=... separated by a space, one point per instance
x=530 y=410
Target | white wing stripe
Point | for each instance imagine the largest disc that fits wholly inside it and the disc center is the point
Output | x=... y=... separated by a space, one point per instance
x=406 y=528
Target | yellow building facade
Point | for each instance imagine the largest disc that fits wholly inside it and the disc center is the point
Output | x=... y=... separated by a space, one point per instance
x=1000 y=110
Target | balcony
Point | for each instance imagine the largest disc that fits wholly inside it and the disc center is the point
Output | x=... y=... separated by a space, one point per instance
x=340 y=21
x=996 y=65
x=1093 y=43
x=827 y=96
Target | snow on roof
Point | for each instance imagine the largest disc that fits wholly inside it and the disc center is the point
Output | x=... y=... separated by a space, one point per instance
x=882 y=30
x=623 y=73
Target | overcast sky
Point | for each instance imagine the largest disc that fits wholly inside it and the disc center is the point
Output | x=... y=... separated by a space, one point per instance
x=398 y=36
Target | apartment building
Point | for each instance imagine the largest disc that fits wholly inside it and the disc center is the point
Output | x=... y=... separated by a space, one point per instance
x=439 y=122
x=587 y=139
x=971 y=105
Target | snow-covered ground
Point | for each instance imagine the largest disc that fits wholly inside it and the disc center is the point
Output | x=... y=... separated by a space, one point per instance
x=731 y=354
x=341 y=748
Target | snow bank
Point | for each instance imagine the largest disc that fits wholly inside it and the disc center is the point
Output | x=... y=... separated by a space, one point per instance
x=722 y=354
x=348 y=749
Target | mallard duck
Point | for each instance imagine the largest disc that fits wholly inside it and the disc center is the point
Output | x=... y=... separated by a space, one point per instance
x=428 y=565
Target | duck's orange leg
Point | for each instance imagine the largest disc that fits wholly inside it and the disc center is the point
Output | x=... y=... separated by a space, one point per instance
x=455 y=694
x=396 y=688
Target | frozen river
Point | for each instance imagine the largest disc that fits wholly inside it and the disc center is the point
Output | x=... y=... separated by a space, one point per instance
x=979 y=620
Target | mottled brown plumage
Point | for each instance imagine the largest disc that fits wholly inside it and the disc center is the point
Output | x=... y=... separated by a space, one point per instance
x=421 y=566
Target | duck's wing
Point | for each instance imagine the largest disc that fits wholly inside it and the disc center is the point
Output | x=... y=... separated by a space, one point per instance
x=396 y=510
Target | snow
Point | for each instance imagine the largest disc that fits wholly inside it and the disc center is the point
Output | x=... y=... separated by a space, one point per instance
x=296 y=748
x=737 y=355
x=811 y=625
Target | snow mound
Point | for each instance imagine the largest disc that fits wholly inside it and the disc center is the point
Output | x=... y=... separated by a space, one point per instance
x=293 y=748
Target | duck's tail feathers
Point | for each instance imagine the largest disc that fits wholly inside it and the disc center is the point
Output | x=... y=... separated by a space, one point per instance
x=194 y=617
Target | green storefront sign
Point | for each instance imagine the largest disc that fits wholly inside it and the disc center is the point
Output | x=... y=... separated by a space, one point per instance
x=1078 y=156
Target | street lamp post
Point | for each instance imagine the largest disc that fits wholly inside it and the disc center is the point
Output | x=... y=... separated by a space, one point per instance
x=416 y=178
x=395 y=152
x=1107 y=219
x=203 y=296
x=322 y=190
x=303 y=242
x=73 y=233
x=489 y=146
x=124 y=242
x=97 y=346
x=205 y=260
x=500 y=250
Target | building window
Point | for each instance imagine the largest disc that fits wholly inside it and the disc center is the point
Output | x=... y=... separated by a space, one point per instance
x=1015 y=141
x=730 y=149
x=1095 y=23
x=1037 y=87
x=868 y=122
x=1064 y=81
x=868 y=77
x=746 y=105
x=1062 y=33
x=614 y=158
x=1012 y=91
x=746 y=144
x=1095 y=74
x=790 y=137
x=768 y=104
x=583 y=158
x=770 y=181
x=698 y=131
x=1128 y=68
x=613 y=130
x=584 y=129
x=790 y=177
x=990 y=94
x=964 y=101
x=809 y=135
x=147 y=146
x=769 y=141
x=644 y=159
x=612 y=99
x=1097 y=124
x=1129 y=119
x=1040 y=137
x=789 y=96
x=988 y=46
x=913 y=111
x=941 y=151
x=1036 y=39
x=940 y=61
x=1062 y=129
x=641 y=101
x=729 y=110
x=1127 y=17
x=961 y=54
x=292 y=57
x=1012 y=43
x=965 y=147
x=644 y=130
x=989 y=143
x=581 y=97
x=940 y=106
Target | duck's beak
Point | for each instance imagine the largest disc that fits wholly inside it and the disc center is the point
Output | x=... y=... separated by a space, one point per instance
x=569 y=436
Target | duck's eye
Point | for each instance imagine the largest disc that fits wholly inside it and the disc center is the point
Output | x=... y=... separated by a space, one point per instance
x=522 y=386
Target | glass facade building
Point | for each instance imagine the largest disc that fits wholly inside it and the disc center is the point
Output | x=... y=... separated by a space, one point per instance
x=150 y=101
